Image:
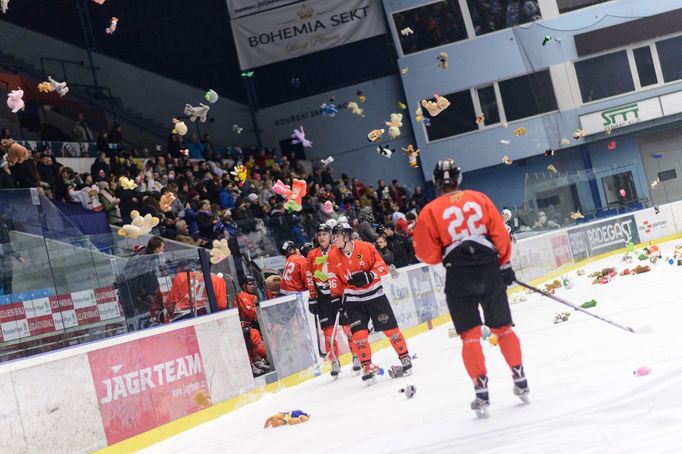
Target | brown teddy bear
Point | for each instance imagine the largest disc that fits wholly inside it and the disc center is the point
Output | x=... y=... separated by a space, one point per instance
x=15 y=153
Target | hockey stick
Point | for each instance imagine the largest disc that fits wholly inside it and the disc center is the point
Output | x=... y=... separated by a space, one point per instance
x=317 y=333
x=574 y=306
x=334 y=330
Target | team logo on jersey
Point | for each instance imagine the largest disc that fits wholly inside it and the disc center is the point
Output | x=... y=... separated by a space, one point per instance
x=383 y=318
x=456 y=196
x=360 y=257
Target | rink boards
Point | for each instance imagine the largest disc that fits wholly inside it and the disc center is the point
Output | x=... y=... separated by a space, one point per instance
x=130 y=391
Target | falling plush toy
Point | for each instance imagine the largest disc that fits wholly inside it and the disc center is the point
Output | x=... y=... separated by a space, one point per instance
x=287 y=418
x=549 y=153
x=184 y=152
x=240 y=173
x=442 y=60
x=295 y=82
x=127 y=184
x=575 y=215
x=419 y=115
x=327 y=207
x=60 y=87
x=578 y=134
x=179 y=127
x=547 y=39
x=375 y=135
x=247 y=74
x=211 y=96
x=518 y=132
x=565 y=141
x=622 y=193
x=608 y=130
x=404 y=70
x=480 y=119
x=411 y=155
x=434 y=108
x=299 y=137
x=139 y=225
x=505 y=141
x=655 y=183
x=426 y=122
x=4 y=6
x=45 y=87
x=355 y=109
x=166 y=201
x=552 y=169
x=507 y=160
x=99 y=2
x=329 y=109
x=15 y=100
x=402 y=105
x=220 y=251
x=385 y=151
x=293 y=194
x=14 y=152
x=361 y=96
x=112 y=26
x=612 y=145
x=407 y=31
x=394 y=125
x=199 y=112
x=326 y=162
x=237 y=129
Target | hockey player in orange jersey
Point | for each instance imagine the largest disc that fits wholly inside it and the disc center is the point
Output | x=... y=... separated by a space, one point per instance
x=181 y=303
x=295 y=270
x=320 y=301
x=355 y=283
x=465 y=231
x=246 y=302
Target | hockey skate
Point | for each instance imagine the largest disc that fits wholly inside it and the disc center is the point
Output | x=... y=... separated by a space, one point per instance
x=336 y=370
x=357 y=367
x=482 y=402
x=262 y=364
x=521 y=389
x=404 y=369
x=369 y=373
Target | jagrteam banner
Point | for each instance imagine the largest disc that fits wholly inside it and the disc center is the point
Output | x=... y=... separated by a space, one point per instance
x=239 y=8
x=304 y=28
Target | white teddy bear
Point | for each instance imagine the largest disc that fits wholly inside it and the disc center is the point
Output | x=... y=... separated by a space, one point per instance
x=139 y=225
x=394 y=125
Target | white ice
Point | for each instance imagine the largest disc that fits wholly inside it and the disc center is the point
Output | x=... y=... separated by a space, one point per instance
x=584 y=396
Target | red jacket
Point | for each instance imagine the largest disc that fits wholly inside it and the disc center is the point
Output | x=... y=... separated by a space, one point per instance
x=179 y=298
x=246 y=304
x=363 y=257
x=453 y=218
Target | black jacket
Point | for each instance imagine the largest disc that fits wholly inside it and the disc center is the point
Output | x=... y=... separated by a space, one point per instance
x=402 y=249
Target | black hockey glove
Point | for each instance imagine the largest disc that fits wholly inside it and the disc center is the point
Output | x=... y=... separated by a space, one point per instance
x=361 y=278
x=508 y=275
x=337 y=304
x=312 y=306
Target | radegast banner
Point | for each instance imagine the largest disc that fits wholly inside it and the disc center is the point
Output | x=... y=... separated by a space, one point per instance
x=239 y=8
x=304 y=28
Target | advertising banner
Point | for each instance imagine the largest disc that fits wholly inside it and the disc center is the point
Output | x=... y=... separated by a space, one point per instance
x=438 y=281
x=239 y=8
x=617 y=117
x=304 y=28
x=652 y=225
x=399 y=294
x=423 y=292
x=146 y=383
x=562 y=250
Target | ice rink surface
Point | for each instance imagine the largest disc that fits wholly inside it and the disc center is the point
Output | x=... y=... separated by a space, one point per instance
x=584 y=396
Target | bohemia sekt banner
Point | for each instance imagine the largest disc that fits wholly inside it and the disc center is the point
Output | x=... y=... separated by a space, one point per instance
x=304 y=28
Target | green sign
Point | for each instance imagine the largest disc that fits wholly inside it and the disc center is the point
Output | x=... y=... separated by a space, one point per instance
x=619 y=115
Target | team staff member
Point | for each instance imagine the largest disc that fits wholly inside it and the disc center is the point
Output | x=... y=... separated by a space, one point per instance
x=464 y=230
x=246 y=303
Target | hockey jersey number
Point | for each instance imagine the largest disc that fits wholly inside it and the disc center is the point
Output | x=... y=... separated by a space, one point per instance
x=471 y=215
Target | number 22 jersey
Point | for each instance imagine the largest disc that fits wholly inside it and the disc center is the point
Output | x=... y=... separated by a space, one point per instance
x=456 y=217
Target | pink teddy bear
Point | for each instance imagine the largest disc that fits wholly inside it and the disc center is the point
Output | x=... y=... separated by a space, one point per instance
x=15 y=101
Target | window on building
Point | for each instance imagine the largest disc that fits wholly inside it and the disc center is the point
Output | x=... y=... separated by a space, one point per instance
x=432 y=25
x=528 y=95
x=456 y=119
x=645 y=66
x=486 y=97
x=613 y=184
x=670 y=55
x=667 y=175
x=571 y=5
x=490 y=16
x=604 y=76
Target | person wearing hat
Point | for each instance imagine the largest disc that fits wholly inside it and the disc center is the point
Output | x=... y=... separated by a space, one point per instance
x=400 y=245
x=246 y=303
x=464 y=230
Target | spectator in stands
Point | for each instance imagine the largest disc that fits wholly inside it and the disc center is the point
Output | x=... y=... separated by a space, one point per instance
x=6 y=178
x=419 y=199
x=196 y=148
x=110 y=204
x=116 y=133
x=400 y=245
x=81 y=130
x=103 y=142
x=46 y=172
x=365 y=229
x=99 y=169
x=182 y=234
x=385 y=251
x=206 y=220
x=25 y=174
x=7 y=253
x=246 y=302
x=5 y=134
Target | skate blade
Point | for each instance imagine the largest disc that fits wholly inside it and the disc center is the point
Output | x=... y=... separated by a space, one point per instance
x=370 y=381
x=357 y=372
x=524 y=398
x=482 y=413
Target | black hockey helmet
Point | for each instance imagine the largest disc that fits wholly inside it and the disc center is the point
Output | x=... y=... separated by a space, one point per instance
x=306 y=248
x=324 y=228
x=344 y=229
x=447 y=173
x=246 y=279
x=288 y=247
